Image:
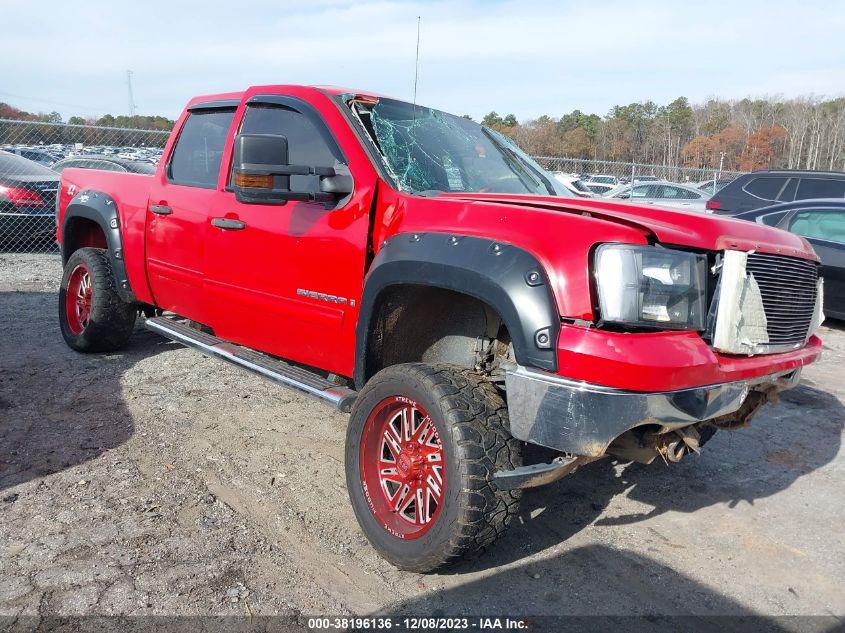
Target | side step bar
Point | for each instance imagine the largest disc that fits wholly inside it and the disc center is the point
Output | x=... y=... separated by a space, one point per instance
x=271 y=368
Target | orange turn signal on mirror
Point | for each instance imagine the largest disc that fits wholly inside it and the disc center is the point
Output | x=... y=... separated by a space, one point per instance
x=256 y=182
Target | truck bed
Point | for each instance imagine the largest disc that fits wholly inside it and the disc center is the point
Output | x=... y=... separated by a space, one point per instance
x=130 y=192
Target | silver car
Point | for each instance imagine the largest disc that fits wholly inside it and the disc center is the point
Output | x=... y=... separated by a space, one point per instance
x=662 y=193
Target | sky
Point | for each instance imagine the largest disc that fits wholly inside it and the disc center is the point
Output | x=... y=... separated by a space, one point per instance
x=523 y=57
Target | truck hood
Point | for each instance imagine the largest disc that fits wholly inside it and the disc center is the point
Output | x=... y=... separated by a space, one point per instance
x=667 y=226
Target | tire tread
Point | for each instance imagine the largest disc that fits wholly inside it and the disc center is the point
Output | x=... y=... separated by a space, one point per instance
x=113 y=318
x=477 y=417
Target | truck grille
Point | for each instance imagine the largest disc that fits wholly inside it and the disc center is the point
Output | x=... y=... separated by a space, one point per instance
x=788 y=287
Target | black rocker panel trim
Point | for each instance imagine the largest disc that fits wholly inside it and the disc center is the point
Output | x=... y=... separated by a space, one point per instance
x=506 y=277
x=100 y=208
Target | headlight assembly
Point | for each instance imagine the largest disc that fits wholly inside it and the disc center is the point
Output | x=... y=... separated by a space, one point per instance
x=648 y=286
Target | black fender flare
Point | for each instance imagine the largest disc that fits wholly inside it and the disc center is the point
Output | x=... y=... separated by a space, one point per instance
x=506 y=277
x=100 y=208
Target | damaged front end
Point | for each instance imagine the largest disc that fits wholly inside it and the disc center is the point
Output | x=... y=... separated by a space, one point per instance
x=762 y=304
x=585 y=422
x=645 y=443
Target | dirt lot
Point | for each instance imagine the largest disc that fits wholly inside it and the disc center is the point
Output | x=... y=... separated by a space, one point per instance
x=158 y=481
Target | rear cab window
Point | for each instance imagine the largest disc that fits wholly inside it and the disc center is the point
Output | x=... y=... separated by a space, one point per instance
x=195 y=160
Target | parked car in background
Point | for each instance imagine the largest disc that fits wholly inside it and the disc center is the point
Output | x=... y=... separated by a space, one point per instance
x=663 y=193
x=573 y=184
x=107 y=163
x=601 y=179
x=597 y=188
x=646 y=179
x=27 y=201
x=763 y=188
x=600 y=184
x=713 y=185
x=822 y=223
x=35 y=155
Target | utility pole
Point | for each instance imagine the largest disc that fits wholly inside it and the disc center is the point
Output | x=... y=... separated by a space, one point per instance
x=131 y=97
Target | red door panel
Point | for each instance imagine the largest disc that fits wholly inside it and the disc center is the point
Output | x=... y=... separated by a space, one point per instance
x=289 y=282
x=177 y=213
x=175 y=248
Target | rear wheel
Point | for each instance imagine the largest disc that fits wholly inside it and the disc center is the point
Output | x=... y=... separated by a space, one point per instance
x=422 y=446
x=92 y=315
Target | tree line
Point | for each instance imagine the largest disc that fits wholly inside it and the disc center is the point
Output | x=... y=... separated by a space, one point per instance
x=743 y=135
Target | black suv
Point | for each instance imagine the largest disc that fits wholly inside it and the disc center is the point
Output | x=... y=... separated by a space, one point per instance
x=763 y=188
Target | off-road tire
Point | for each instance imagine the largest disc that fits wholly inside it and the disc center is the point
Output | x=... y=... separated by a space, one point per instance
x=471 y=420
x=110 y=319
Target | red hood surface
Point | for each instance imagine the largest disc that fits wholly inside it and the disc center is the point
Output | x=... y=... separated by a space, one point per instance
x=668 y=226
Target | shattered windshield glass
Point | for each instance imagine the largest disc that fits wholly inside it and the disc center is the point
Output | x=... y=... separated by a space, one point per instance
x=428 y=152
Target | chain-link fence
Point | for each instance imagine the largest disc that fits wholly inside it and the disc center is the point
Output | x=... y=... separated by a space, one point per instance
x=586 y=169
x=34 y=153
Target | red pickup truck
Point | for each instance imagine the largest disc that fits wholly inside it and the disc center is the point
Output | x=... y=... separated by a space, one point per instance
x=421 y=271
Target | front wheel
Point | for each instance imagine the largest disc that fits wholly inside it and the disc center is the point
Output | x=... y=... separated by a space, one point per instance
x=422 y=446
x=92 y=315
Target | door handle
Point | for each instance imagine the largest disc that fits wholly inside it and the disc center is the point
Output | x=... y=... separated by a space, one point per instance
x=161 y=209
x=228 y=224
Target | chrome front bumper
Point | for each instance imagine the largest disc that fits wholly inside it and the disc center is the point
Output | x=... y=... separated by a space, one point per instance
x=583 y=419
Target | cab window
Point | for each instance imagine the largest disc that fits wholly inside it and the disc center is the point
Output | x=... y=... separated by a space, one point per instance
x=196 y=159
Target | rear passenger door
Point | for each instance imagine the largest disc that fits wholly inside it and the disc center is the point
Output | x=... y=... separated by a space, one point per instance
x=180 y=199
x=824 y=228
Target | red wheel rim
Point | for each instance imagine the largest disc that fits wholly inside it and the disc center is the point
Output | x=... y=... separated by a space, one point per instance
x=402 y=467
x=78 y=299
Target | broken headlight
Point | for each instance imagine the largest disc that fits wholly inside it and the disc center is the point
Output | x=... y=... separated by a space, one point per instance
x=648 y=286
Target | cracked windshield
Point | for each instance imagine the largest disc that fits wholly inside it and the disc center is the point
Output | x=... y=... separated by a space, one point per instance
x=429 y=152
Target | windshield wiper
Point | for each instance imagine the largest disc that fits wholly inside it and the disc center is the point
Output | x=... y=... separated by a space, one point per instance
x=516 y=159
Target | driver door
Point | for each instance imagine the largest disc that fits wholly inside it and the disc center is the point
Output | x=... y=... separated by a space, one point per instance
x=287 y=279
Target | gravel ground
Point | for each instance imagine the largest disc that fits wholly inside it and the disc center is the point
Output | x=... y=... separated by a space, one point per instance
x=158 y=481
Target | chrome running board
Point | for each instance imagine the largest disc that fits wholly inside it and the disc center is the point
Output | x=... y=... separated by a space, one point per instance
x=273 y=369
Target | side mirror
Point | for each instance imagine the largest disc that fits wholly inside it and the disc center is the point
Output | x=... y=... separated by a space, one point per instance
x=261 y=173
x=257 y=160
x=340 y=185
